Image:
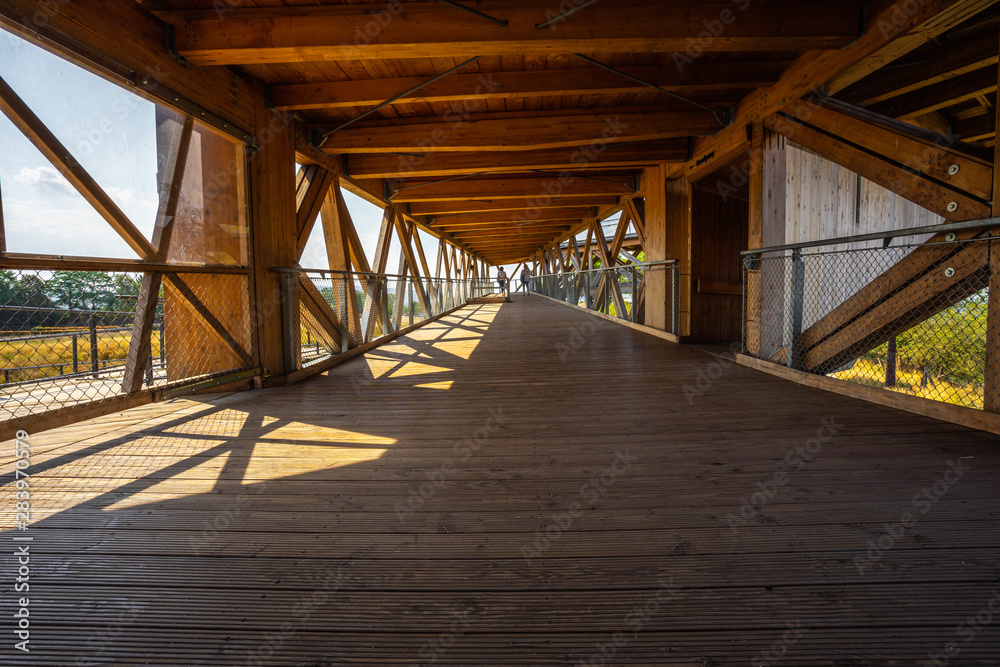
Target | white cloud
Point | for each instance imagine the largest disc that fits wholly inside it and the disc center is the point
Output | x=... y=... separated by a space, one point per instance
x=44 y=180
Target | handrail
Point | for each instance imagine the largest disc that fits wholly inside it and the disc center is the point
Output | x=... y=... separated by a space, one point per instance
x=878 y=236
x=324 y=272
x=643 y=265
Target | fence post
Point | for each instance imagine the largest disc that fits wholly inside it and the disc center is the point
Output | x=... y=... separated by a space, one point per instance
x=92 y=323
x=345 y=313
x=163 y=347
x=76 y=357
x=385 y=307
x=890 y=363
x=634 y=315
x=798 y=296
x=289 y=322
x=675 y=297
x=409 y=288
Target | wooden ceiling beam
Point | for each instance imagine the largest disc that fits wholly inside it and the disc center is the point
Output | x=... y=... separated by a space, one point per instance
x=891 y=34
x=523 y=205
x=976 y=128
x=506 y=85
x=502 y=217
x=926 y=66
x=941 y=95
x=547 y=131
x=433 y=30
x=455 y=164
x=539 y=187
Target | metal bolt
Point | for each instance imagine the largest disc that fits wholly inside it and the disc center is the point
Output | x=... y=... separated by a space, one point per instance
x=954 y=169
x=950 y=237
x=949 y=272
x=952 y=206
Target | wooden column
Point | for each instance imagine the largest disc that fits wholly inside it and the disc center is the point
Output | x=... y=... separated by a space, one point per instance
x=658 y=289
x=991 y=384
x=272 y=227
x=678 y=217
x=765 y=282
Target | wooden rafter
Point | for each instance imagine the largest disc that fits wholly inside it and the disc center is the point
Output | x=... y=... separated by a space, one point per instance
x=888 y=38
x=281 y=35
x=523 y=209
x=538 y=187
x=519 y=134
x=506 y=85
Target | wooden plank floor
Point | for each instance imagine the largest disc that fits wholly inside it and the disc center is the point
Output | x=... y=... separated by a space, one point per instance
x=513 y=484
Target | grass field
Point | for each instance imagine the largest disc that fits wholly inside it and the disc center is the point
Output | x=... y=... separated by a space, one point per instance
x=871 y=372
x=54 y=347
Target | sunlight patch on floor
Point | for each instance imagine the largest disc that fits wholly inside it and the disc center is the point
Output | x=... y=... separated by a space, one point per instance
x=265 y=464
x=412 y=368
x=436 y=385
x=462 y=349
x=226 y=423
x=379 y=366
x=313 y=433
x=196 y=480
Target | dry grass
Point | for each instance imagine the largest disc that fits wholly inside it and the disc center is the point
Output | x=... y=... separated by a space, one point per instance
x=56 y=348
x=871 y=373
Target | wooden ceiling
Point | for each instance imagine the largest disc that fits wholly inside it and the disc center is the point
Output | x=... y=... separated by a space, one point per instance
x=534 y=131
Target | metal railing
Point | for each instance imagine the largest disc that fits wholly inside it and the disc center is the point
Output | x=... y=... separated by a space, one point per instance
x=67 y=337
x=326 y=313
x=904 y=310
x=630 y=292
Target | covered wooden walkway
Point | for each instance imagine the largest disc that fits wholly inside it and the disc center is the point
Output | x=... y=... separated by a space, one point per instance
x=516 y=484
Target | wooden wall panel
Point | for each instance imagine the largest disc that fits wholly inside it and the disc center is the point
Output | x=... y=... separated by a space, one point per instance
x=827 y=201
x=719 y=232
x=192 y=347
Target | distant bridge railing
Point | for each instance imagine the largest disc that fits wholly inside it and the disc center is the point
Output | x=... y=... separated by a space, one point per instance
x=627 y=291
x=904 y=310
x=326 y=313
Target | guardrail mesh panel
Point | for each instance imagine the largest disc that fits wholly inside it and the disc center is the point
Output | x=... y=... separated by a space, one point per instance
x=66 y=337
x=910 y=318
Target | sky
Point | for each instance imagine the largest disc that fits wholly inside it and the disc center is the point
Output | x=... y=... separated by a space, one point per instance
x=111 y=132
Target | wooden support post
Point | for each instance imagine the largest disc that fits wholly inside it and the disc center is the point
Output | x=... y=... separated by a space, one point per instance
x=991 y=384
x=337 y=226
x=409 y=259
x=140 y=342
x=765 y=280
x=272 y=192
x=608 y=283
x=373 y=290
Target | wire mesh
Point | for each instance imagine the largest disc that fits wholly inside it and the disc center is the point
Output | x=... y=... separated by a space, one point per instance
x=630 y=292
x=910 y=318
x=338 y=311
x=68 y=338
